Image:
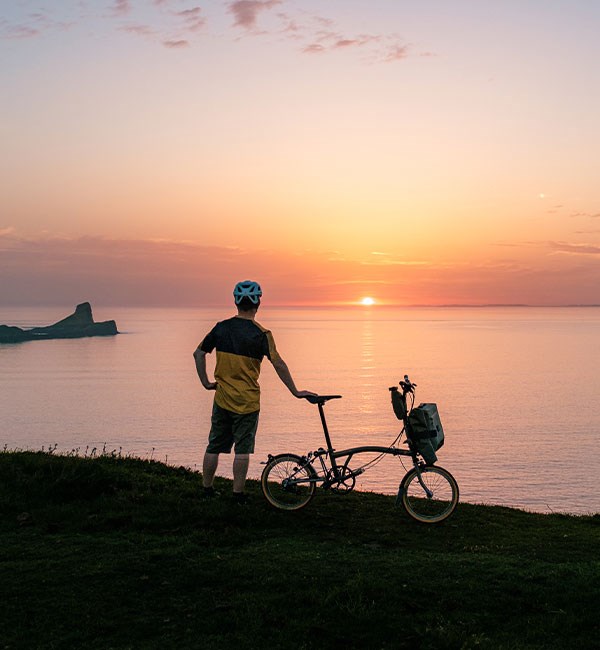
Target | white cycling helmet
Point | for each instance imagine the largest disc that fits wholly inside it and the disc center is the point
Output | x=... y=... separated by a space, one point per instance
x=247 y=289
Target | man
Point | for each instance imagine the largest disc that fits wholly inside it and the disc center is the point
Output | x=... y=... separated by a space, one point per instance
x=241 y=343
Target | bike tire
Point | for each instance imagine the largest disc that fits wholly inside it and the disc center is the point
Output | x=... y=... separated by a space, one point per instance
x=275 y=475
x=442 y=503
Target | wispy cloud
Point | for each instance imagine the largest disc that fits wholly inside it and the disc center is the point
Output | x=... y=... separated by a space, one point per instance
x=290 y=26
x=335 y=40
x=121 y=7
x=20 y=31
x=361 y=281
x=31 y=25
x=316 y=34
x=140 y=30
x=393 y=261
x=245 y=12
x=40 y=270
x=35 y=24
x=174 y=25
x=507 y=244
x=192 y=19
x=116 y=271
x=591 y=215
x=574 y=249
x=175 y=45
x=146 y=272
x=396 y=52
x=314 y=48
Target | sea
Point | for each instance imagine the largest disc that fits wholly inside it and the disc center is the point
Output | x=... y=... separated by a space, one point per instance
x=517 y=390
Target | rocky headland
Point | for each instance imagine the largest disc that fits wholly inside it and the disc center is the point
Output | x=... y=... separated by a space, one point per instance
x=78 y=325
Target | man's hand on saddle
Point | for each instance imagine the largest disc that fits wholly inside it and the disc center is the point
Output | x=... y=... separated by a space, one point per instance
x=304 y=393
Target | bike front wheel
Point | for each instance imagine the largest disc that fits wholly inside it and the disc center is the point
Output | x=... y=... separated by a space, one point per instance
x=431 y=499
x=288 y=482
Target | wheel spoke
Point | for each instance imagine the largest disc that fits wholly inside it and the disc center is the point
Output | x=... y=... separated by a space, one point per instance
x=286 y=482
x=434 y=507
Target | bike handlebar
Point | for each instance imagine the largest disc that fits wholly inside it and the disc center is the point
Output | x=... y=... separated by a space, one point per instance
x=407 y=386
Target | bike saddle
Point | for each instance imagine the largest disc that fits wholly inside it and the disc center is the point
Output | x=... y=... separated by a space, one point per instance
x=321 y=399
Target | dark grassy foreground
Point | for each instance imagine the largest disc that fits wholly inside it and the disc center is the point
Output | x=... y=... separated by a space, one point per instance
x=122 y=553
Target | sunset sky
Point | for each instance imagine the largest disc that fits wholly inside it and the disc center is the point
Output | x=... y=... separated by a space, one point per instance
x=154 y=152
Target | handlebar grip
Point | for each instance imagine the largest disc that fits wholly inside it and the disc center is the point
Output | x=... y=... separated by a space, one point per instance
x=407 y=385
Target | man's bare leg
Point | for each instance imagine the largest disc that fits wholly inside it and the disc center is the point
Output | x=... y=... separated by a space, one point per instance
x=209 y=467
x=240 y=470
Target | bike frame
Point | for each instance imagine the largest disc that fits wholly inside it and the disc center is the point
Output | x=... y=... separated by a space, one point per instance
x=338 y=471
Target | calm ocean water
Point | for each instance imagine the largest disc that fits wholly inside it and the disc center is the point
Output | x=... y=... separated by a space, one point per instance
x=517 y=390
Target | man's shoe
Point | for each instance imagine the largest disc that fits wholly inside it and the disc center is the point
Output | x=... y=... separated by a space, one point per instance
x=241 y=498
x=209 y=493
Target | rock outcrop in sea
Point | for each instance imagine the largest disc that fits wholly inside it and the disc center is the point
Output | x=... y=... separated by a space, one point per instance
x=79 y=324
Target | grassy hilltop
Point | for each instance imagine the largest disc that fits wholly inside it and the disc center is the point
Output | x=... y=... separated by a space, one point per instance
x=122 y=553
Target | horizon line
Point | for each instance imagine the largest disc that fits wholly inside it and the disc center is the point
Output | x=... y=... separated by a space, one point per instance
x=345 y=305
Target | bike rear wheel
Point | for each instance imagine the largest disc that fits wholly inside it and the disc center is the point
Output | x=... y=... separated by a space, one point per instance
x=434 y=504
x=287 y=482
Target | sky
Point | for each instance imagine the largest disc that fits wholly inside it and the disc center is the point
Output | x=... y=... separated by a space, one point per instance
x=421 y=152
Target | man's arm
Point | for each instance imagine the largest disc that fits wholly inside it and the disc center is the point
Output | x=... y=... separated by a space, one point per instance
x=284 y=374
x=200 y=357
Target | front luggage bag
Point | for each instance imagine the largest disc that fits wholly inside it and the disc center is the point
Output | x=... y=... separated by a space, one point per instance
x=425 y=430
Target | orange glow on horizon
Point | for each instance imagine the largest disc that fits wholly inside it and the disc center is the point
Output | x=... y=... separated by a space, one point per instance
x=312 y=185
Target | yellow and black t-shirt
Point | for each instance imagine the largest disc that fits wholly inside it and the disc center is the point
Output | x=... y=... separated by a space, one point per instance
x=241 y=345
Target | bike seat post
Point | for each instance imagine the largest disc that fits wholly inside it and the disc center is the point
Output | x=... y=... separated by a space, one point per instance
x=326 y=432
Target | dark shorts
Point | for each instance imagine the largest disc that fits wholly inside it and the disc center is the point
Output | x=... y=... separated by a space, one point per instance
x=228 y=428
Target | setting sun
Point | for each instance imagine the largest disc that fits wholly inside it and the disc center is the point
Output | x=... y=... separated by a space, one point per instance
x=367 y=301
